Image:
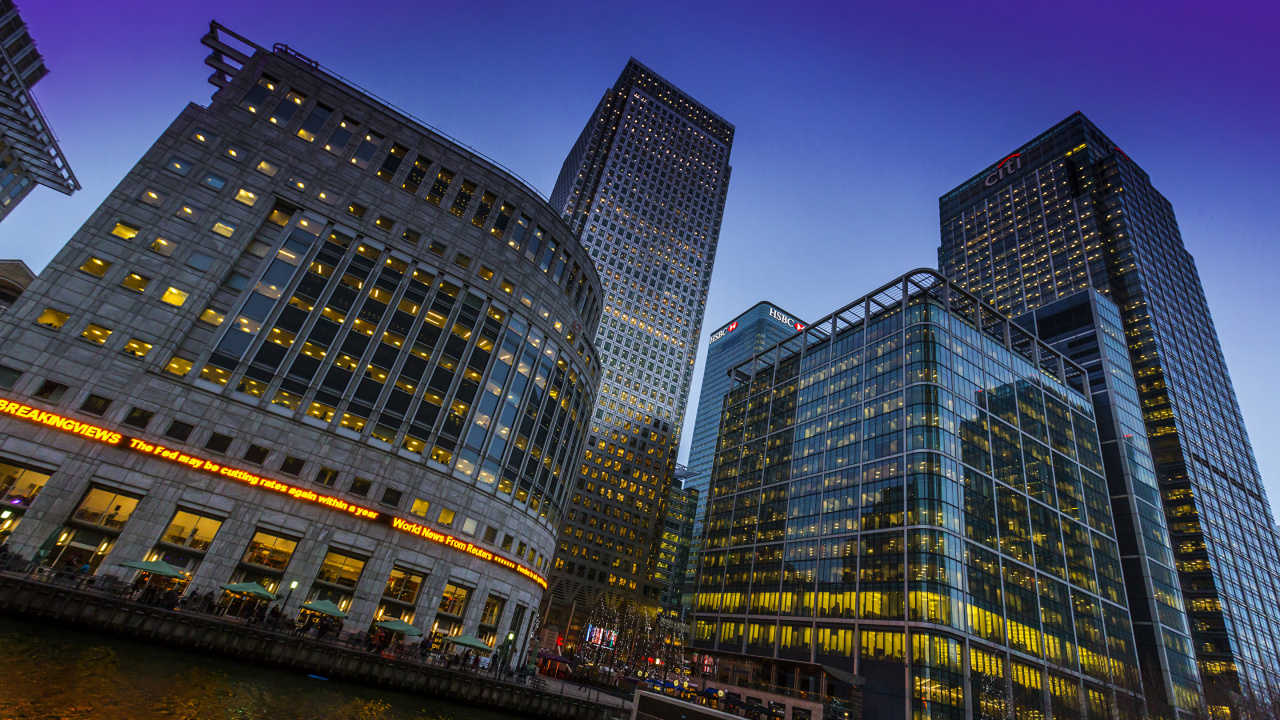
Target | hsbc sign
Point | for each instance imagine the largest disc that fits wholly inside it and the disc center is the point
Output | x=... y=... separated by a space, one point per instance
x=723 y=331
x=1007 y=167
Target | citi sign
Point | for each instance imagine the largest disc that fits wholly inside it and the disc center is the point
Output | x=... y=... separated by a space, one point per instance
x=1007 y=167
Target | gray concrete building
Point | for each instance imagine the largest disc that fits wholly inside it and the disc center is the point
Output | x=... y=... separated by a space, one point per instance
x=312 y=343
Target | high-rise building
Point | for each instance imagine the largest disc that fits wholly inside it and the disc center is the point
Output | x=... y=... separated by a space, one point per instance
x=305 y=342
x=644 y=187
x=1069 y=211
x=15 y=277
x=677 y=539
x=869 y=516
x=29 y=152
x=738 y=340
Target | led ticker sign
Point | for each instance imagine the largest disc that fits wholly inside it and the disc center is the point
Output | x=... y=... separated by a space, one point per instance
x=193 y=462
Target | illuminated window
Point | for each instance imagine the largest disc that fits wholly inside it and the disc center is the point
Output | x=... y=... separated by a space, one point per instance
x=411 y=237
x=297 y=183
x=320 y=411
x=486 y=273
x=288 y=106
x=327 y=197
x=249 y=386
x=341 y=569
x=384 y=223
x=287 y=399
x=234 y=153
x=247 y=197
x=214 y=374
x=357 y=209
x=216 y=182
x=137 y=348
x=340 y=137
x=258 y=94
x=440 y=187
x=446 y=517
x=135 y=282
x=353 y=422
x=202 y=137
x=152 y=198
x=95 y=334
x=175 y=297
x=163 y=247
x=224 y=228
x=178 y=165
x=420 y=507
x=188 y=212
x=95 y=267
x=268 y=168
x=313 y=123
x=192 y=530
x=270 y=550
x=366 y=149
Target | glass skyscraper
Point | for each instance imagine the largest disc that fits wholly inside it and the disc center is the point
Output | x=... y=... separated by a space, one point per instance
x=738 y=340
x=912 y=491
x=29 y=152
x=1069 y=211
x=644 y=188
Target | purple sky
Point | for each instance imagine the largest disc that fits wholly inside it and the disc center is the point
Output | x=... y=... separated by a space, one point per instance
x=850 y=122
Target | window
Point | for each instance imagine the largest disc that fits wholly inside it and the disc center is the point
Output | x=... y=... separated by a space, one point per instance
x=152 y=198
x=341 y=569
x=403 y=585
x=446 y=517
x=420 y=507
x=179 y=430
x=95 y=405
x=413 y=180
x=391 y=497
x=270 y=550
x=234 y=153
x=384 y=223
x=95 y=334
x=179 y=366
x=137 y=417
x=357 y=209
x=366 y=149
x=288 y=106
x=192 y=530
x=199 y=261
x=340 y=137
x=178 y=166
x=135 y=282
x=218 y=443
x=454 y=600
x=437 y=248
x=486 y=273
x=490 y=534
x=106 y=508
x=137 y=348
x=327 y=197
x=359 y=486
x=440 y=187
x=482 y=211
x=175 y=297
x=96 y=267
x=8 y=377
x=213 y=181
x=258 y=94
x=125 y=230
x=292 y=466
x=463 y=198
x=212 y=317
x=188 y=211
x=224 y=227
x=313 y=123
x=20 y=485
x=257 y=248
x=246 y=196
x=256 y=454
x=297 y=183
x=500 y=223
x=469 y=526
x=163 y=247
x=462 y=261
x=202 y=137
x=327 y=476
x=268 y=168
x=411 y=236
x=392 y=162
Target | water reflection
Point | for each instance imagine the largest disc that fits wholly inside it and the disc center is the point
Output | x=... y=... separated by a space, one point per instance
x=63 y=673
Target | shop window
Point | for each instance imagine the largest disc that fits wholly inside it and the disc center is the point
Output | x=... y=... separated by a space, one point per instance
x=51 y=391
x=270 y=550
x=106 y=508
x=341 y=569
x=20 y=485
x=95 y=405
x=191 y=530
x=454 y=600
x=138 y=418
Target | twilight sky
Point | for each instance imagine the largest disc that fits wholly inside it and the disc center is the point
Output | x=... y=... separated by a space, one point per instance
x=851 y=121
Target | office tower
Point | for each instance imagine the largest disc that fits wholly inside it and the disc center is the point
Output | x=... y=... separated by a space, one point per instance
x=1070 y=211
x=672 y=563
x=764 y=325
x=869 y=515
x=644 y=187
x=29 y=152
x=304 y=341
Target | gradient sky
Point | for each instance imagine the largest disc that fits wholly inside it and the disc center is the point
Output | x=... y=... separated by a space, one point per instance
x=851 y=121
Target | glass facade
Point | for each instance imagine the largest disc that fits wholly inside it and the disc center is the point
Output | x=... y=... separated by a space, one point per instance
x=1070 y=211
x=915 y=483
x=644 y=187
x=764 y=325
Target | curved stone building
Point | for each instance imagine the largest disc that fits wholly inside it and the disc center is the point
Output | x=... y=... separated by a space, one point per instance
x=308 y=342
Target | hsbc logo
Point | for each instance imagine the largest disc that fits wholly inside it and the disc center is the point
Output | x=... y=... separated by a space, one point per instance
x=723 y=331
x=798 y=326
x=1007 y=167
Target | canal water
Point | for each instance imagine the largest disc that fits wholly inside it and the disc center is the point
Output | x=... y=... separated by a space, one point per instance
x=51 y=672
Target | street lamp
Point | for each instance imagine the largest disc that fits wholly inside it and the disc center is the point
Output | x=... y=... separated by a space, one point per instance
x=288 y=595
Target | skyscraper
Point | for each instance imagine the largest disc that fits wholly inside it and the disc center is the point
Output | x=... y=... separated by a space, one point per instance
x=29 y=152
x=677 y=540
x=1069 y=211
x=298 y=345
x=644 y=187
x=868 y=517
x=764 y=325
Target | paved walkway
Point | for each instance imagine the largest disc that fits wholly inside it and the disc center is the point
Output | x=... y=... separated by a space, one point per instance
x=586 y=692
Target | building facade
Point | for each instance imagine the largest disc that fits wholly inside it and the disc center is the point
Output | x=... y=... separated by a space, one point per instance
x=738 y=340
x=15 y=277
x=869 y=514
x=29 y=152
x=306 y=342
x=1070 y=211
x=677 y=540
x=644 y=187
